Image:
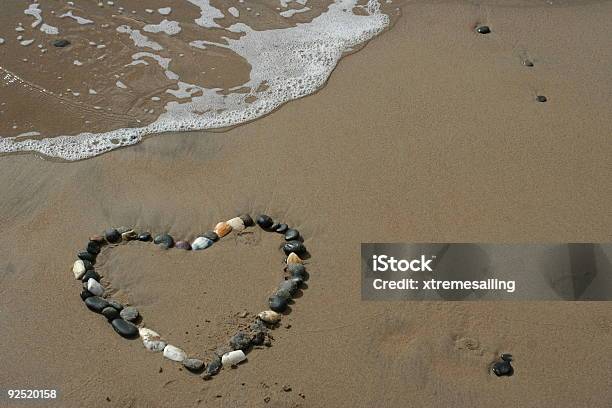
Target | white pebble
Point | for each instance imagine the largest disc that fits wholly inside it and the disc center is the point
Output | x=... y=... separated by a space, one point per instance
x=78 y=269
x=174 y=353
x=269 y=316
x=94 y=287
x=201 y=243
x=151 y=340
x=237 y=224
x=232 y=358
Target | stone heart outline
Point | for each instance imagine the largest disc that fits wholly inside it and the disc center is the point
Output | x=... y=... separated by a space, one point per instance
x=128 y=322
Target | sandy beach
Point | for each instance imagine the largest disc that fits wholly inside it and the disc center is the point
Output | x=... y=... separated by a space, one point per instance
x=430 y=133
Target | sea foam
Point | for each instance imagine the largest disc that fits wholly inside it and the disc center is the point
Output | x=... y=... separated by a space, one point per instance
x=286 y=64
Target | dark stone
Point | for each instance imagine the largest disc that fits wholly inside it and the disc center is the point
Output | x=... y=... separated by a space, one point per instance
x=110 y=313
x=294 y=246
x=298 y=281
x=96 y=303
x=281 y=228
x=284 y=293
x=129 y=313
x=240 y=341
x=91 y=274
x=248 y=221
x=212 y=235
x=502 y=368
x=87 y=256
x=85 y=294
x=212 y=368
x=258 y=326
x=145 y=237
x=112 y=236
x=528 y=63
x=258 y=338
x=61 y=43
x=115 y=304
x=506 y=357
x=98 y=238
x=183 y=245
x=88 y=265
x=193 y=364
x=93 y=248
x=278 y=304
x=292 y=235
x=289 y=285
x=483 y=30
x=541 y=98
x=125 y=329
x=264 y=221
x=297 y=271
x=164 y=240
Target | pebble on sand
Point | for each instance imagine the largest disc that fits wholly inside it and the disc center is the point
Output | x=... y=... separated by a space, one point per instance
x=145 y=237
x=86 y=256
x=292 y=234
x=164 y=240
x=90 y=274
x=96 y=304
x=278 y=303
x=151 y=340
x=211 y=235
x=110 y=313
x=201 y=243
x=247 y=220
x=483 y=29
x=264 y=221
x=129 y=235
x=193 y=364
x=269 y=316
x=222 y=229
x=85 y=294
x=129 y=313
x=78 y=269
x=541 y=98
x=183 y=245
x=94 y=287
x=233 y=358
x=297 y=270
x=125 y=329
x=281 y=228
x=294 y=259
x=213 y=367
x=174 y=353
x=61 y=43
x=294 y=246
x=112 y=236
x=240 y=341
x=503 y=368
x=94 y=248
x=237 y=224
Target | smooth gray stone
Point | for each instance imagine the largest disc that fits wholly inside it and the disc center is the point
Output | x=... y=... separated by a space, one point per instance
x=129 y=313
x=96 y=303
x=193 y=364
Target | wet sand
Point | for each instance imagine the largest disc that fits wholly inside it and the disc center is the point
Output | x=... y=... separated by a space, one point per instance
x=430 y=133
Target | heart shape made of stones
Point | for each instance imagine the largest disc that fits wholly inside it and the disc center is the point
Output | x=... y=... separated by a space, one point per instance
x=128 y=322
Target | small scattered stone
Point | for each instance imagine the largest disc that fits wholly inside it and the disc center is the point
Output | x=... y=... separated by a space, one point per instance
x=61 y=43
x=233 y=358
x=264 y=221
x=269 y=316
x=85 y=294
x=145 y=237
x=267 y=399
x=90 y=274
x=94 y=248
x=278 y=304
x=237 y=224
x=211 y=235
x=78 y=269
x=183 y=245
x=125 y=329
x=96 y=304
x=294 y=246
x=110 y=313
x=244 y=314
x=528 y=63
x=151 y=340
x=94 y=287
x=483 y=29
x=541 y=98
x=112 y=236
x=281 y=228
x=174 y=353
x=164 y=240
x=129 y=313
x=87 y=256
x=292 y=234
x=201 y=243
x=212 y=368
x=503 y=368
x=293 y=259
x=222 y=229
x=193 y=364
x=247 y=220
x=286 y=388
x=129 y=235
x=240 y=341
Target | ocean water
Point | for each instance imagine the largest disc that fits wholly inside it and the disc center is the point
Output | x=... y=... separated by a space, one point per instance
x=137 y=68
